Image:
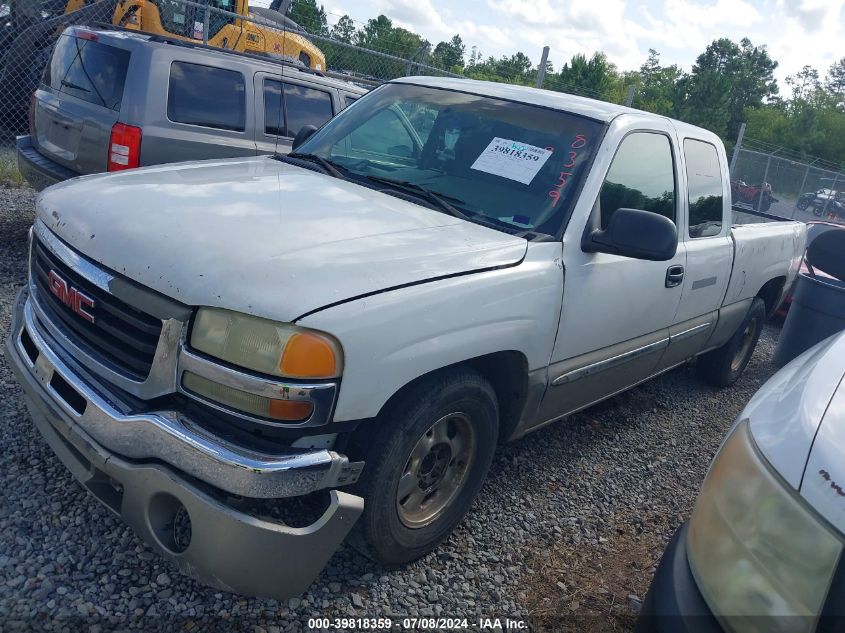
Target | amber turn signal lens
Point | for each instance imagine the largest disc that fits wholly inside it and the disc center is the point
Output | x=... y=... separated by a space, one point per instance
x=309 y=355
x=281 y=410
x=290 y=410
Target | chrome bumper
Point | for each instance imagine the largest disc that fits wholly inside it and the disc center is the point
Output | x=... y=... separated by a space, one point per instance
x=222 y=546
x=166 y=436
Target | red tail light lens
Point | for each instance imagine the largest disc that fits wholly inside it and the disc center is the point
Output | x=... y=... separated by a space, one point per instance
x=124 y=147
x=87 y=35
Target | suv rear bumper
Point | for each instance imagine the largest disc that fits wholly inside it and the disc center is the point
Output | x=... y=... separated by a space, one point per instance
x=39 y=171
x=226 y=548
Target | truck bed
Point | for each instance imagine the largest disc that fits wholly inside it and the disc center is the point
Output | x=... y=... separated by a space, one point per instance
x=767 y=248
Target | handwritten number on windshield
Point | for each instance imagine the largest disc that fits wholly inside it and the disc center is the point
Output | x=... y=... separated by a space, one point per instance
x=579 y=142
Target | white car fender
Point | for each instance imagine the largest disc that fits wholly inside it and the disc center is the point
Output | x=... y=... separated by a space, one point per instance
x=391 y=338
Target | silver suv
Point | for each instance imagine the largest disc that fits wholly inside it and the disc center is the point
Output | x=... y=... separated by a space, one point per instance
x=112 y=100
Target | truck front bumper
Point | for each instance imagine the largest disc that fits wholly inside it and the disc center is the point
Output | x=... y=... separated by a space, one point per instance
x=673 y=603
x=221 y=546
x=39 y=171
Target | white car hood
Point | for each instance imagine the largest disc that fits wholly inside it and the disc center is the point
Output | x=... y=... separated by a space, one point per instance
x=785 y=414
x=263 y=237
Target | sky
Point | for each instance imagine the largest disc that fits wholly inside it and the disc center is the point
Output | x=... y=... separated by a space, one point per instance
x=797 y=32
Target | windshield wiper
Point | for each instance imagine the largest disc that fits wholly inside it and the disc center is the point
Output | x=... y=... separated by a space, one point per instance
x=73 y=86
x=437 y=199
x=330 y=167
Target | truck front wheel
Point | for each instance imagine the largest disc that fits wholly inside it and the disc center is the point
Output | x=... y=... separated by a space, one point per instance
x=424 y=465
x=723 y=366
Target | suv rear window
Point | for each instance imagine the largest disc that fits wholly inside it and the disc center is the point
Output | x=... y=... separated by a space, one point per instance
x=207 y=96
x=89 y=70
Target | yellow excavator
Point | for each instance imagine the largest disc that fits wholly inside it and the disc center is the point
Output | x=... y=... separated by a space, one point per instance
x=267 y=31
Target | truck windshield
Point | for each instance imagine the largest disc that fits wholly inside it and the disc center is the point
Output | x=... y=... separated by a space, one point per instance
x=512 y=165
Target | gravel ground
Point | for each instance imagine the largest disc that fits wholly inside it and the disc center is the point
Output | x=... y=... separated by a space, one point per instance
x=566 y=532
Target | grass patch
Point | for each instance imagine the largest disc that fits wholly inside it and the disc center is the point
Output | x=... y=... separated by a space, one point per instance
x=10 y=176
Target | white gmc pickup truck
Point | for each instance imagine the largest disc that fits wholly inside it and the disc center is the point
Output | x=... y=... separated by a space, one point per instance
x=446 y=265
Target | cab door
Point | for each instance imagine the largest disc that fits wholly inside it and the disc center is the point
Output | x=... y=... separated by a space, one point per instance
x=617 y=311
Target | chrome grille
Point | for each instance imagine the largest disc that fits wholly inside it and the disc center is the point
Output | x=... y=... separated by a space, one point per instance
x=120 y=335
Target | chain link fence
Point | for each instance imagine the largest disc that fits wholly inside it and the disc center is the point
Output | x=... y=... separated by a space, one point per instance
x=29 y=30
x=801 y=189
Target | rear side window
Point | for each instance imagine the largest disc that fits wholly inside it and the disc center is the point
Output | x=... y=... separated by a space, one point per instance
x=642 y=176
x=705 y=188
x=89 y=70
x=301 y=105
x=207 y=96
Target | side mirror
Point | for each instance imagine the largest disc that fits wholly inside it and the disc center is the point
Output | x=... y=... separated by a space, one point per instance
x=637 y=234
x=303 y=135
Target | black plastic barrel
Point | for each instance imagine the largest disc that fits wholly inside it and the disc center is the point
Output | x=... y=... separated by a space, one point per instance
x=818 y=302
x=817 y=312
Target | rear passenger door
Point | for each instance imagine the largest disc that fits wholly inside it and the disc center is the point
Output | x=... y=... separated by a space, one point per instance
x=706 y=235
x=207 y=114
x=284 y=106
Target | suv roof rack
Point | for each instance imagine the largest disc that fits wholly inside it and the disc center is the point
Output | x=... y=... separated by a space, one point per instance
x=164 y=39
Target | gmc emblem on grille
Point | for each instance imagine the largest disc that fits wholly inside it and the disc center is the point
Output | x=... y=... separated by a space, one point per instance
x=76 y=300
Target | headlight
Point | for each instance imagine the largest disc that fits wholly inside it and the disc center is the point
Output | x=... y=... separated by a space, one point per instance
x=755 y=548
x=267 y=347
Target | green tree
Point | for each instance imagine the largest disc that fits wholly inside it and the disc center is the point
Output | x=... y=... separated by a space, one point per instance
x=344 y=30
x=805 y=83
x=727 y=79
x=594 y=77
x=657 y=90
x=310 y=16
x=450 y=55
x=835 y=82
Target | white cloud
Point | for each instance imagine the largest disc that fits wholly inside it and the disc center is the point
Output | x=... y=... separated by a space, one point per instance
x=811 y=33
x=797 y=32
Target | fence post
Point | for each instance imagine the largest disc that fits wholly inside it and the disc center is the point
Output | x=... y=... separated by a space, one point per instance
x=541 y=69
x=833 y=196
x=801 y=189
x=738 y=147
x=765 y=178
x=206 y=24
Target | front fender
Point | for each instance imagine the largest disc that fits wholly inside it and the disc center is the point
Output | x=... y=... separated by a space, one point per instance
x=392 y=338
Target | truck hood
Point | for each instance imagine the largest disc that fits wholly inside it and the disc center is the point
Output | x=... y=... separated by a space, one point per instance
x=264 y=237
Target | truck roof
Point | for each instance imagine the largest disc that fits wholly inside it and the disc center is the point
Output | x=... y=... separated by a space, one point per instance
x=590 y=108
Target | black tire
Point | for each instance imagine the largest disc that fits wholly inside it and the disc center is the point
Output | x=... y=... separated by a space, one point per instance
x=381 y=534
x=802 y=205
x=723 y=366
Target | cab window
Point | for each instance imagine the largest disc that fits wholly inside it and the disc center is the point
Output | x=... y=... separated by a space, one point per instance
x=642 y=176
x=705 y=188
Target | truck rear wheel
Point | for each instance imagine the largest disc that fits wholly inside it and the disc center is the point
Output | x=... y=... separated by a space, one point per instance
x=425 y=464
x=723 y=366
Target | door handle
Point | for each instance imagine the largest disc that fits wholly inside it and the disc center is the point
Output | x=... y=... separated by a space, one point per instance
x=674 y=276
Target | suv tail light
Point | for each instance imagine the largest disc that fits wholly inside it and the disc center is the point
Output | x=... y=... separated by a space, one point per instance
x=124 y=147
x=32 y=114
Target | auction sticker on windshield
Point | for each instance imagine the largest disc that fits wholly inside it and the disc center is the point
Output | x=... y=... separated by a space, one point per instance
x=512 y=160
